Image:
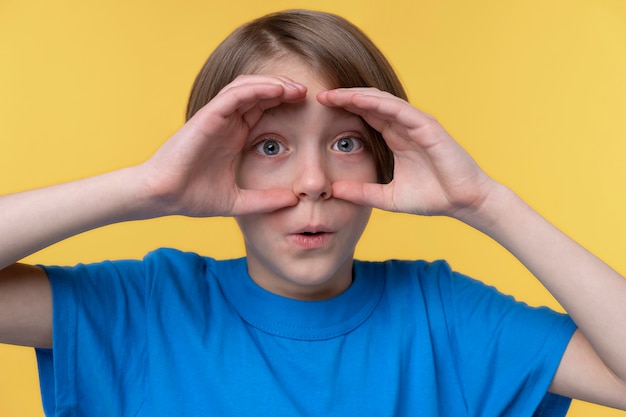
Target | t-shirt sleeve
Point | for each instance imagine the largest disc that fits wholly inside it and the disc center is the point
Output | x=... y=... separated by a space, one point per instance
x=506 y=352
x=98 y=339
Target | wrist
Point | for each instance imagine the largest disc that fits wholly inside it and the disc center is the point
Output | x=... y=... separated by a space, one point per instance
x=148 y=196
x=498 y=203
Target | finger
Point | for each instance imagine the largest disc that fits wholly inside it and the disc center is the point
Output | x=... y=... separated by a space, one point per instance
x=375 y=103
x=258 y=79
x=400 y=123
x=246 y=103
x=243 y=97
x=383 y=111
x=292 y=91
x=246 y=92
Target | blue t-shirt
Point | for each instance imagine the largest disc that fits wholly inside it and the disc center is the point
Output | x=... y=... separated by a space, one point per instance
x=178 y=334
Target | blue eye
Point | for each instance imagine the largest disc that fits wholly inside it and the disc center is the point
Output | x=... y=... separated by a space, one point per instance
x=347 y=144
x=269 y=147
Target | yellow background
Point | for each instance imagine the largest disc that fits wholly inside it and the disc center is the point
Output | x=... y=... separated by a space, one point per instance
x=534 y=89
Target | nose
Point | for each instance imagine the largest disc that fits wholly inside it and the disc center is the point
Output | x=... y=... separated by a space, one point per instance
x=312 y=180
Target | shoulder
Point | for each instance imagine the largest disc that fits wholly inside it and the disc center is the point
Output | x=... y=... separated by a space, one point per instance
x=174 y=256
x=164 y=260
x=438 y=286
x=403 y=269
x=427 y=276
x=155 y=268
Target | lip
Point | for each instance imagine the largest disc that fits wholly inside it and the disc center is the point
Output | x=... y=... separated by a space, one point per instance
x=311 y=238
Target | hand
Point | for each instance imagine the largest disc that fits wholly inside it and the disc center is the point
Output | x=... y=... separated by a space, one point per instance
x=193 y=173
x=433 y=174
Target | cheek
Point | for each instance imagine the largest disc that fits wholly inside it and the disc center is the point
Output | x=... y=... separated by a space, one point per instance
x=253 y=174
x=255 y=226
x=369 y=171
x=354 y=220
x=349 y=215
x=362 y=169
x=362 y=217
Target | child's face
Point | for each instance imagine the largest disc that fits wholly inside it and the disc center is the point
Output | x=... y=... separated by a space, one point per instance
x=305 y=251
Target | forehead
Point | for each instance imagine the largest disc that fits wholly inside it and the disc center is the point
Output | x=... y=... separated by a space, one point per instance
x=310 y=116
x=295 y=69
x=309 y=111
x=309 y=107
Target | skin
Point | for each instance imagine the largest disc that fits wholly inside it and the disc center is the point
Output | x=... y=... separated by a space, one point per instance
x=203 y=171
x=313 y=147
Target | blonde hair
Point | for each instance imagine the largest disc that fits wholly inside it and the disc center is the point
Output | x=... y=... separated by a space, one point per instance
x=333 y=47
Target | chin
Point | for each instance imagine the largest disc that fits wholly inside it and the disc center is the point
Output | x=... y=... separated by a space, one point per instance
x=310 y=282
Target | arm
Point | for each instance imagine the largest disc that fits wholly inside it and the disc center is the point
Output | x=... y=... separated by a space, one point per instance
x=36 y=219
x=594 y=295
x=433 y=175
x=192 y=174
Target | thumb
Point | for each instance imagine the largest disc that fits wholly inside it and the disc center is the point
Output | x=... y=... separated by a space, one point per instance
x=363 y=194
x=264 y=201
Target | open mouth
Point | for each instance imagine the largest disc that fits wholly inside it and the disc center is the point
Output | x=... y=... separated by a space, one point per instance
x=312 y=239
x=311 y=233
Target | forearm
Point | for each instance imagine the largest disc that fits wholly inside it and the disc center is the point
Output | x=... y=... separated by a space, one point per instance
x=33 y=220
x=592 y=293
